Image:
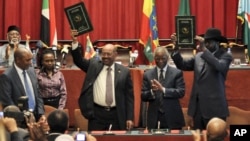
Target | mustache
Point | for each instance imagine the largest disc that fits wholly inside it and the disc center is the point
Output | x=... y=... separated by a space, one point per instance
x=14 y=41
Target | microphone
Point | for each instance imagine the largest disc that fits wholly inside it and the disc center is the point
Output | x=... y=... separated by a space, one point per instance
x=54 y=48
x=41 y=44
x=65 y=50
x=133 y=57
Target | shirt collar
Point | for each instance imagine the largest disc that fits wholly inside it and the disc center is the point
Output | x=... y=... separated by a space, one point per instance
x=19 y=70
x=164 y=69
x=112 y=66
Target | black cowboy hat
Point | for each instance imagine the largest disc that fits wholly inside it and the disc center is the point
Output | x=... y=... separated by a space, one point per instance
x=13 y=27
x=215 y=34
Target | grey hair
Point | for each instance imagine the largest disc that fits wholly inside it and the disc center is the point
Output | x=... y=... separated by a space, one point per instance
x=164 y=49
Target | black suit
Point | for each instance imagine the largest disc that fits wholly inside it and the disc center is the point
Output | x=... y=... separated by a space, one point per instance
x=208 y=91
x=124 y=95
x=175 y=89
x=12 y=89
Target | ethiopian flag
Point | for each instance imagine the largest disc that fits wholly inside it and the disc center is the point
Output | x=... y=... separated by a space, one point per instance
x=48 y=32
x=89 y=51
x=149 y=31
x=244 y=16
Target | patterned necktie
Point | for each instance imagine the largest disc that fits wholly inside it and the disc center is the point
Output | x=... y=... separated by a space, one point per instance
x=109 y=87
x=29 y=93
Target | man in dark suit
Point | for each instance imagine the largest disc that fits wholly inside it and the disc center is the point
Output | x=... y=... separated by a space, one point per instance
x=210 y=67
x=163 y=86
x=117 y=109
x=12 y=83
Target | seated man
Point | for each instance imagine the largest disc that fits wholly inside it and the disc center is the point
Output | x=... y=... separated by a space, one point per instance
x=7 y=50
x=58 y=123
x=216 y=131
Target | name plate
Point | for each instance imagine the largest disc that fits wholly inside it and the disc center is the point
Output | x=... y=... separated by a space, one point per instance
x=78 y=18
x=185 y=30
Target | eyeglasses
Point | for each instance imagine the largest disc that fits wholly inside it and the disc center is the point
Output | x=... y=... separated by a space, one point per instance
x=13 y=34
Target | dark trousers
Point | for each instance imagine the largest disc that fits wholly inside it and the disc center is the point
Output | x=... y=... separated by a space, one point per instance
x=103 y=118
x=163 y=121
x=199 y=121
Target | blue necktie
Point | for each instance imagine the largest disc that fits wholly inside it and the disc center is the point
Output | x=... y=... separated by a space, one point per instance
x=29 y=93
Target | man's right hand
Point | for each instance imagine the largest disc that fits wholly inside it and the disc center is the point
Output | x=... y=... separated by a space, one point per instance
x=173 y=38
x=10 y=124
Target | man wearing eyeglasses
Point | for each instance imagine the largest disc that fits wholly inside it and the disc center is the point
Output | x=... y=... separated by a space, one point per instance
x=7 y=50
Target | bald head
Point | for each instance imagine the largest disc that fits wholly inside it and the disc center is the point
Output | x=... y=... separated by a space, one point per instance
x=216 y=129
x=11 y=108
x=109 y=53
x=23 y=57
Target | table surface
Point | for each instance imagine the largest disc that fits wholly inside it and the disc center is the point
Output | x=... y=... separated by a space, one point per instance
x=140 y=135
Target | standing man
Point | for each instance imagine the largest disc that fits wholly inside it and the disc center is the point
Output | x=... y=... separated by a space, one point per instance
x=210 y=67
x=107 y=96
x=20 y=80
x=7 y=50
x=163 y=86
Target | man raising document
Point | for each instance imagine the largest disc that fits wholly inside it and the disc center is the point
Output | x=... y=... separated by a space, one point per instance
x=107 y=96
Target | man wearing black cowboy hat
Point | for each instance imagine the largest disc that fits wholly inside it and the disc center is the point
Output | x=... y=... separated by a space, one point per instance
x=7 y=50
x=210 y=67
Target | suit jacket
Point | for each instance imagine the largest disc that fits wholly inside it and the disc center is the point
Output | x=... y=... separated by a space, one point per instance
x=11 y=88
x=174 y=90
x=124 y=95
x=20 y=135
x=208 y=90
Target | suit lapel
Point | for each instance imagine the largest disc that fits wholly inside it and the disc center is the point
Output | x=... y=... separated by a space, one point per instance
x=167 y=76
x=32 y=80
x=117 y=73
x=155 y=74
x=17 y=78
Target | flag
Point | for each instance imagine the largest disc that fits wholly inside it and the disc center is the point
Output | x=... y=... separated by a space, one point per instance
x=89 y=51
x=48 y=32
x=149 y=31
x=244 y=15
x=184 y=9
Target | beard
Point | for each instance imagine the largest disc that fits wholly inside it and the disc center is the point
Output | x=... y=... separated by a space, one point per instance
x=14 y=41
